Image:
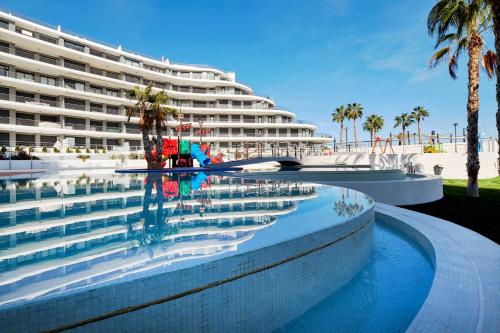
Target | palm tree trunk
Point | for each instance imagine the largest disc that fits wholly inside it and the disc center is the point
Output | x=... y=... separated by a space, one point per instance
x=419 y=132
x=474 y=50
x=159 y=142
x=495 y=6
x=341 y=133
x=355 y=132
x=147 y=146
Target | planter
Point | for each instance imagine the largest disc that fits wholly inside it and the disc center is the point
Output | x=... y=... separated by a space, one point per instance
x=438 y=169
x=155 y=165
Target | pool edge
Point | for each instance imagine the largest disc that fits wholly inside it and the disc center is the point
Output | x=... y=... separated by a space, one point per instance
x=465 y=294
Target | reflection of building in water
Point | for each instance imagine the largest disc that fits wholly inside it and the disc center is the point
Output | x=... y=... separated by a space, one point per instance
x=62 y=234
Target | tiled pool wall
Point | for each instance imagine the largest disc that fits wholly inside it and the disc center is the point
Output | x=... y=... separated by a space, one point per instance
x=257 y=291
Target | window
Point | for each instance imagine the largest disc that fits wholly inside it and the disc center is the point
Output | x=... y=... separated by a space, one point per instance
x=48 y=60
x=4 y=70
x=25 y=53
x=131 y=62
x=96 y=89
x=48 y=39
x=48 y=100
x=4 y=47
x=24 y=32
x=112 y=75
x=74 y=65
x=96 y=107
x=111 y=92
x=25 y=76
x=68 y=83
x=75 y=104
x=111 y=109
x=74 y=46
x=24 y=97
x=132 y=78
x=96 y=53
x=48 y=80
x=4 y=24
x=112 y=57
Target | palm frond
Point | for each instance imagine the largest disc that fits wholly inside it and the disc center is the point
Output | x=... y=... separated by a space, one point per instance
x=439 y=56
x=489 y=63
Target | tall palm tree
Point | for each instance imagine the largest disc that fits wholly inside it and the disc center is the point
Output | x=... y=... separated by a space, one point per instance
x=354 y=111
x=151 y=112
x=459 y=24
x=161 y=114
x=338 y=116
x=419 y=114
x=404 y=120
x=373 y=124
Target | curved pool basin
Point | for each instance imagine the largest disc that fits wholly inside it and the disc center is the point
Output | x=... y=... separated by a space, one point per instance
x=392 y=186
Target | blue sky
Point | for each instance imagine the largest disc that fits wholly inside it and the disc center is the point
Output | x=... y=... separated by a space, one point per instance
x=310 y=56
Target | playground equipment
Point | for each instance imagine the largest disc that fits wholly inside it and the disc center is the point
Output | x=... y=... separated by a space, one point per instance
x=180 y=153
x=196 y=152
x=379 y=141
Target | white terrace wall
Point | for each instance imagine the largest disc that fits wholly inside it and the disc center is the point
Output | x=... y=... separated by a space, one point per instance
x=454 y=164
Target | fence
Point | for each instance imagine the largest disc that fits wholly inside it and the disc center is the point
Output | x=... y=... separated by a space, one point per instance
x=442 y=144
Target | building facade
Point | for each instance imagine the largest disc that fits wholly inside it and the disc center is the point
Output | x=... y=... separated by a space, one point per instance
x=56 y=86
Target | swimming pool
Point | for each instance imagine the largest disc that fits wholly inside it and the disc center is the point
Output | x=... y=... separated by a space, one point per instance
x=191 y=252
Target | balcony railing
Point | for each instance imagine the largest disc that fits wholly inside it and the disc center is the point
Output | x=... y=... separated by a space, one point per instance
x=4 y=48
x=74 y=106
x=80 y=68
x=47 y=60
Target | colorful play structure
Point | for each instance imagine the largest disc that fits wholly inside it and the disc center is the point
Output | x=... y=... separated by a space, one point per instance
x=378 y=140
x=181 y=153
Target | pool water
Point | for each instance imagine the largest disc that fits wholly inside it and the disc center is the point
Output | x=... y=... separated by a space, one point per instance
x=65 y=234
x=384 y=297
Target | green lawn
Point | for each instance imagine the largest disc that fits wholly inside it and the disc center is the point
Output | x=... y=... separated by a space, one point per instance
x=479 y=214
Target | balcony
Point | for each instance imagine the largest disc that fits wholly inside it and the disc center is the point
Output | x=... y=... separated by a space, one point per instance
x=25 y=54
x=47 y=60
x=4 y=48
x=72 y=106
x=75 y=126
x=77 y=67
x=26 y=122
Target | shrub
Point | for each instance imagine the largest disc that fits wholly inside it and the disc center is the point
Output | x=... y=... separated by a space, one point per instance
x=104 y=150
x=55 y=150
x=23 y=156
x=31 y=149
x=18 y=148
x=3 y=150
x=68 y=150
x=77 y=150
x=95 y=150
x=83 y=157
x=87 y=150
x=44 y=149
x=133 y=156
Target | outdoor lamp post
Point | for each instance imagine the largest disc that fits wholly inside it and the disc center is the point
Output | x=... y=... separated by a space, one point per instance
x=200 y=123
x=180 y=116
x=346 y=131
x=455 y=125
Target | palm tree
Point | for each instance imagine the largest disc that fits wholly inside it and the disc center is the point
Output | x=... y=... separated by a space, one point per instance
x=373 y=124
x=404 y=120
x=459 y=25
x=419 y=114
x=338 y=116
x=161 y=114
x=354 y=111
x=150 y=110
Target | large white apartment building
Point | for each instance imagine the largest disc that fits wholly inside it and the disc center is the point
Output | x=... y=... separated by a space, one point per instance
x=55 y=85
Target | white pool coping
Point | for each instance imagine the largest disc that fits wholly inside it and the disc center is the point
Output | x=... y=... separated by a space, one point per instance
x=465 y=293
